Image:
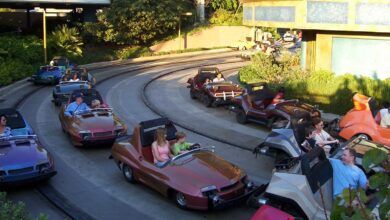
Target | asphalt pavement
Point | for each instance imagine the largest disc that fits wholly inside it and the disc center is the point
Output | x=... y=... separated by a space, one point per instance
x=91 y=182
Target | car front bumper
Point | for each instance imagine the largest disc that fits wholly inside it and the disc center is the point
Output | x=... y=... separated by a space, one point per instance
x=223 y=204
x=7 y=181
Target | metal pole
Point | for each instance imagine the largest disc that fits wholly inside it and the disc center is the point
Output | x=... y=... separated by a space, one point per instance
x=44 y=35
x=179 y=33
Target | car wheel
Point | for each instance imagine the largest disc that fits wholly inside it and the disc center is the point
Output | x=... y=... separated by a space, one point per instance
x=192 y=94
x=207 y=101
x=128 y=173
x=180 y=200
x=241 y=116
x=363 y=136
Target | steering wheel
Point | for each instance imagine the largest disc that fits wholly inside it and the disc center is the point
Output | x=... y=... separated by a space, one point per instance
x=194 y=146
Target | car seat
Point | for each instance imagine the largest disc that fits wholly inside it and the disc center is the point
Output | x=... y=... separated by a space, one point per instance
x=319 y=174
x=148 y=129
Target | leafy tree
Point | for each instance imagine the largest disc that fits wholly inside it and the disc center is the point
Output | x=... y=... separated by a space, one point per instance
x=353 y=206
x=66 y=40
x=140 y=22
x=230 y=5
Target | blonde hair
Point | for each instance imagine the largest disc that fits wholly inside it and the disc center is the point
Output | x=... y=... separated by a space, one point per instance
x=159 y=136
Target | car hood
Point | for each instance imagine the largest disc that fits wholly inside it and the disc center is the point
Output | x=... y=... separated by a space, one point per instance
x=95 y=122
x=22 y=154
x=204 y=169
x=56 y=73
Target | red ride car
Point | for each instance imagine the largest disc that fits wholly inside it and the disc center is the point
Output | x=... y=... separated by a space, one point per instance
x=205 y=88
x=197 y=179
x=97 y=126
x=360 y=121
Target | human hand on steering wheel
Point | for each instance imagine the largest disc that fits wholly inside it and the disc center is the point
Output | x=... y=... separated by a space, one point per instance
x=194 y=146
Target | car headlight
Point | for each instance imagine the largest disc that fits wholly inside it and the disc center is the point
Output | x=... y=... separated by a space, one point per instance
x=262 y=201
x=211 y=193
x=43 y=167
x=85 y=135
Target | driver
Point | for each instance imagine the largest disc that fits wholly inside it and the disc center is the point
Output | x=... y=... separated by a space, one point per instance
x=219 y=78
x=346 y=173
x=323 y=139
x=4 y=130
x=181 y=146
x=77 y=105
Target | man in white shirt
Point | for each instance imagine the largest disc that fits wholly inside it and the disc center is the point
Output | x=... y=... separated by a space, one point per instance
x=385 y=119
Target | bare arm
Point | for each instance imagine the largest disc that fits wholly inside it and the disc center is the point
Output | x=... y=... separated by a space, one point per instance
x=156 y=155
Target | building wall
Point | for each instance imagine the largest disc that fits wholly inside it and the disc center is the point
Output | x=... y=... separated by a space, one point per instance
x=358 y=53
x=344 y=36
x=217 y=36
x=340 y=15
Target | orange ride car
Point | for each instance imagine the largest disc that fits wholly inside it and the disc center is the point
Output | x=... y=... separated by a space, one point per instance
x=364 y=121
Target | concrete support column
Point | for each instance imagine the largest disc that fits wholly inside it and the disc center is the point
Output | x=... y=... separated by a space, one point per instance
x=200 y=9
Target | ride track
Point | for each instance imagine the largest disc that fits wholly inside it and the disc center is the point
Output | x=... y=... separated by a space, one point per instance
x=64 y=204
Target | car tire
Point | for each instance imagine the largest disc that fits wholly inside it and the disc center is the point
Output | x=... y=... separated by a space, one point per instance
x=180 y=200
x=207 y=101
x=363 y=136
x=241 y=116
x=192 y=94
x=128 y=173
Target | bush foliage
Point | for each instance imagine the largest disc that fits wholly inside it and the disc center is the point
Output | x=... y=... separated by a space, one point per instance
x=11 y=210
x=333 y=93
x=138 y=22
x=19 y=57
x=224 y=17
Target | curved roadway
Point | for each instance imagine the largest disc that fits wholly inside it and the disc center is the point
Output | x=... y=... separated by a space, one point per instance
x=89 y=180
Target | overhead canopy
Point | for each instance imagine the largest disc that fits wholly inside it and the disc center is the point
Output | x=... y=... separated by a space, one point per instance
x=53 y=3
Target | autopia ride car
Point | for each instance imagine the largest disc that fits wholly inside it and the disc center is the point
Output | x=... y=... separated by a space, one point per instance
x=24 y=160
x=197 y=179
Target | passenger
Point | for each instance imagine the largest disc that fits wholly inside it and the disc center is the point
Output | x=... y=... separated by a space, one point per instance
x=181 y=146
x=381 y=113
x=95 y=104
x=323 y=139
x=4 y=130
x=309 y=143
x=207 y=81
x=219 y=78
x=77 y=105
x=346 y=173
x=279 y=97
x=160 y=148
x=75 y=78
x=385 y=119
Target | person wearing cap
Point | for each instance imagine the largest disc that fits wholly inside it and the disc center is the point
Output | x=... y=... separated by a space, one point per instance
x=77 y=105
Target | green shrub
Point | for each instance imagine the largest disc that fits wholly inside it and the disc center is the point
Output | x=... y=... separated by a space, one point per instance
x=132 y=52
x=224 y=17
x=66 y=40
x=265 y=68
x=10 y=210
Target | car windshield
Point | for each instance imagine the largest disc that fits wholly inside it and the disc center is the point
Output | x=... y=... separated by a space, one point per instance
x=15 y=120
x=188 y=156
x=69 y=88
x=60 y=62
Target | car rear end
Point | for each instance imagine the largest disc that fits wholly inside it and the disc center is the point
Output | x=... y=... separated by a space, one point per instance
x=224 y=93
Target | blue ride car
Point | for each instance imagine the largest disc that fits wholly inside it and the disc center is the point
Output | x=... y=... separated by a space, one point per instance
x=24 y=160
x=47 y=75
